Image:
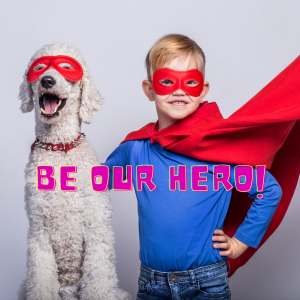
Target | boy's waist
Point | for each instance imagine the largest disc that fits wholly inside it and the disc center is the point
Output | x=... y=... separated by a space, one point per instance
x=187 y=275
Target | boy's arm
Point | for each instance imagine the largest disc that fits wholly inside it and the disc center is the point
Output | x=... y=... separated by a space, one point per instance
x=120 y=157
x=256 y=222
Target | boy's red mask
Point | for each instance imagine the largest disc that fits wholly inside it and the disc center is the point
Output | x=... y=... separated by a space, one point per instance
x=179 y=79
x=74 y=74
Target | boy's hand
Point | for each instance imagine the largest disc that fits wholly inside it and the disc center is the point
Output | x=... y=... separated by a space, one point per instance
x=233 y=248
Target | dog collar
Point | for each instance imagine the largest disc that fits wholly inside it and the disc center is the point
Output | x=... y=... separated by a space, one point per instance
x=58 y=147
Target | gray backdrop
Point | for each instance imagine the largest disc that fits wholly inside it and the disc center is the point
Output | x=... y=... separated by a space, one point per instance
x=246 y=45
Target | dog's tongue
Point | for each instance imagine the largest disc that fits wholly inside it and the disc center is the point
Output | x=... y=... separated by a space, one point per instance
x=50 y=104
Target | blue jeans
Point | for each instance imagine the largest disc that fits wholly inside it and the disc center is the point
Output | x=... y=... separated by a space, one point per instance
x=207 y=282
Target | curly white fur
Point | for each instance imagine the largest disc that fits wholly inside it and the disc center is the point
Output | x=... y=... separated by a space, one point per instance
x=70 y=239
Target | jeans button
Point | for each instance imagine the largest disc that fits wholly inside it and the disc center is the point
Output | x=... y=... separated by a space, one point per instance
x=173 y=277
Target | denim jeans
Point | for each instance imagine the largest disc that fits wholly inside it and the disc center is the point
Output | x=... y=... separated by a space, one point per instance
x=207 y=282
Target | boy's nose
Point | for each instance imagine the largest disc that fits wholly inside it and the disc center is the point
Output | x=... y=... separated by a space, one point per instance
x=178 y=93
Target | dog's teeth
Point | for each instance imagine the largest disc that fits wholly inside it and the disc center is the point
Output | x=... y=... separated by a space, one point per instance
x=59 y=102
x=43 y=111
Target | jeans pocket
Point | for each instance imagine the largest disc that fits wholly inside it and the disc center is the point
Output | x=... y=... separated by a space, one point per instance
x=144 y=287
x=215 y=287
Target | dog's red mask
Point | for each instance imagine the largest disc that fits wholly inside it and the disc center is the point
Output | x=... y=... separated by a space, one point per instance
x=73 y=74
x=166 y=81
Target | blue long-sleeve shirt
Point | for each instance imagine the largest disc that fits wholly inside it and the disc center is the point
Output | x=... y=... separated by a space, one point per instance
x=176 y=227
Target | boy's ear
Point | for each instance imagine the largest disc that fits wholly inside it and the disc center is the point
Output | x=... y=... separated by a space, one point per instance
x=204 y=91
x=147 y=87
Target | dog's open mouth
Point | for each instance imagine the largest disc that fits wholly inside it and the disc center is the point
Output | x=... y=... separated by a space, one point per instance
x=50 y=105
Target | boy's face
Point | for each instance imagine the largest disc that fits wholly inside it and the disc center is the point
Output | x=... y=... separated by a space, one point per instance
x=177 y=105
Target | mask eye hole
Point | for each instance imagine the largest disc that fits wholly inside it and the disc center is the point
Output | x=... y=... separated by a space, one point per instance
x=39 y=67
x=66 y=66
x=192 y=83
x=166 y=82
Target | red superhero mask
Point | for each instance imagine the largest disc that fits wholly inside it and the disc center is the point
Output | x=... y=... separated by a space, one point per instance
x=179 y=79
x=73 y=74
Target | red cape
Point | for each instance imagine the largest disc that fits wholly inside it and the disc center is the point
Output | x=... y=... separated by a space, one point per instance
x=264 y=131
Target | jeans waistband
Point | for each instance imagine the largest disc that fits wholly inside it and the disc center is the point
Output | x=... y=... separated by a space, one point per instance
x=183 y=276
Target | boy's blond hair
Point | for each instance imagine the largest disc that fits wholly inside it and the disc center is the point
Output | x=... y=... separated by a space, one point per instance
x=170 y=46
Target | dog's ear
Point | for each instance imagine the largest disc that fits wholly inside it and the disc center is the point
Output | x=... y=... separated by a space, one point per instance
x=91 y=101
x=26 y=96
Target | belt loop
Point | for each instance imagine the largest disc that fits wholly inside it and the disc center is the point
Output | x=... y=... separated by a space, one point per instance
x=192 y=277
x=228 y=265
x=152 y=278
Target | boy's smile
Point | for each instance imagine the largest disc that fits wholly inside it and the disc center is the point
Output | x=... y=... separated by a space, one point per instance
x=177 y=105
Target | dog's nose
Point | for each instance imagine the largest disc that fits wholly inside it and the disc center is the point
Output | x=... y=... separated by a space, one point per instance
x=47 y=82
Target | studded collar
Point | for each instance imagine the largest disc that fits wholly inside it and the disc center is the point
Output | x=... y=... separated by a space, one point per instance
x=58 y=147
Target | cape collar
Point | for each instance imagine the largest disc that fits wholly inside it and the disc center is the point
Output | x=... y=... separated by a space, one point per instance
x=179 y=130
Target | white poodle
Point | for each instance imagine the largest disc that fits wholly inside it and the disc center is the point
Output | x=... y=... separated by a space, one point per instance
x=70 y=239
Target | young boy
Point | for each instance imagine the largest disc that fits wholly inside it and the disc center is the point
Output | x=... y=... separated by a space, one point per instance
x=183 y=249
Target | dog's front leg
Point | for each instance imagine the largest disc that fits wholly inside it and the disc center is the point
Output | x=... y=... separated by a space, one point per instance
x=99 y=279
x=42 y=279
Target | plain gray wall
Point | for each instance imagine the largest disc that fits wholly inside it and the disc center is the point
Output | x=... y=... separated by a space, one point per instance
x=246 y=44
